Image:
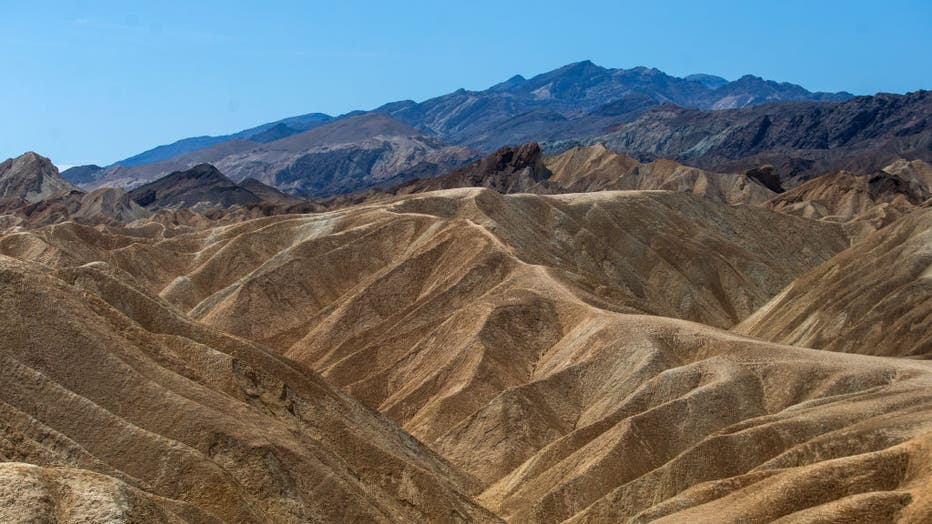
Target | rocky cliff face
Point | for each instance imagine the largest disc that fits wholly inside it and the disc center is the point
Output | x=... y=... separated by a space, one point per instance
x=30 y=177
x=508 y=170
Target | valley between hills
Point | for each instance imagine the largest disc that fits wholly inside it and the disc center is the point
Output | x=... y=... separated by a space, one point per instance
x=398 y=316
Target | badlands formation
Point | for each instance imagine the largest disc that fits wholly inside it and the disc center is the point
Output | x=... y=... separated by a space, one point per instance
x=582 y=338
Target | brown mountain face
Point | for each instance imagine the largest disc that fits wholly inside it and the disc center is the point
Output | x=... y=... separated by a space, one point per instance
x=267 y=193
x=508 y=170
x=595 y=168
x=30 y=177
x=915 y=171
x=109 y=206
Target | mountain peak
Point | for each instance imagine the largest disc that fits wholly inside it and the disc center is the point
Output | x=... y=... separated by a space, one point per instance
x=201 y=172
x=585 y=66
x=511 y=83
x=201 y=184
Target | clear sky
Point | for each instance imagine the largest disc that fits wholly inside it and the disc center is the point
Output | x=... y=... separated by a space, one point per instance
x=96 y=81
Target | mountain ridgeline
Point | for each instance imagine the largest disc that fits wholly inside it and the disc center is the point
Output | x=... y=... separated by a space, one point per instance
x=580 y=97
x=317 y=155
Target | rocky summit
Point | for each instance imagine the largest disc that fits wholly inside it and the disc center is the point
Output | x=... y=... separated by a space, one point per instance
x=30 y=177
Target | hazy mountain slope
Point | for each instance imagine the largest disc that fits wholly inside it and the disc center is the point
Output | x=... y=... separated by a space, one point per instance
x=263 y=133
x=81 y=174
x=344 y=155
x=801 y=139
x=130 y=177
x=577 y=100
x=501 y=330
x=873 y=298
x=162 y=419
x=368 y=150
x=30 y=177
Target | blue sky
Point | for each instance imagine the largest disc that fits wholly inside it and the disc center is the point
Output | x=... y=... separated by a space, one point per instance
x=96 y=81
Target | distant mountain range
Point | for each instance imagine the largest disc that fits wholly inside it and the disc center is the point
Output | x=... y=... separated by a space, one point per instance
x=262 y=134
x=578 y=98
x=702 y=120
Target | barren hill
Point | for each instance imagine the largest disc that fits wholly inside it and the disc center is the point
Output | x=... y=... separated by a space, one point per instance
x=548 y=348
x=866 y=203
x=525 y=169
x=595 y=168
x=873 y=298
x=115 y=407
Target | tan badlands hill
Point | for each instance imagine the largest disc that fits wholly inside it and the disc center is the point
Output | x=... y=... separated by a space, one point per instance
x=865 y=202
x=912 y=170
x=595 y=168
x=107 y=205
x=114 y=408
x=873 y=298
x=524 y=169
x=508 y=333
